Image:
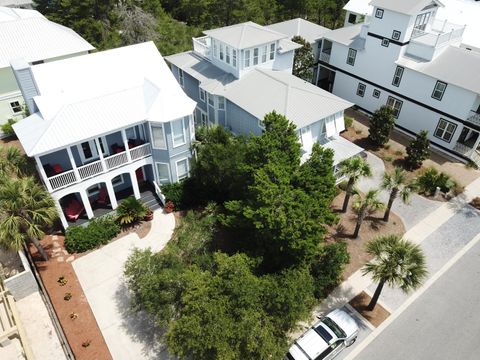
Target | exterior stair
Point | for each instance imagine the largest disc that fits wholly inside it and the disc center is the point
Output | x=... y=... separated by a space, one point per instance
x=149 y=197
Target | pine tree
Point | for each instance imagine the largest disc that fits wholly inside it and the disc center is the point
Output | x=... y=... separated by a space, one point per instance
x=381 y=125
x=418 y=150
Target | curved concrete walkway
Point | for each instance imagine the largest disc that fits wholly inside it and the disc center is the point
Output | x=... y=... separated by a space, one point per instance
x=412 y=213
x=128 y=336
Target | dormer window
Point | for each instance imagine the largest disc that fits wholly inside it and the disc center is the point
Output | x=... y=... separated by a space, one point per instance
x=227 y=52
x=264 y=53
x=272 y=51
x=234 y=58
x=215 y=49
x=379 y=14
x=222 y=51
x=255 y=56
x=247 y=58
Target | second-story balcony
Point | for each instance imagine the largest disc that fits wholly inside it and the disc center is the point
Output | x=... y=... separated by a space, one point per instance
x=202 y=45
x=474 y=118
x=93 y=157
x=438 y=34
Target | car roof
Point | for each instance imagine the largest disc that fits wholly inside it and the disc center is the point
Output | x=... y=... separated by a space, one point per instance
x=312 y=343
x=345 y=321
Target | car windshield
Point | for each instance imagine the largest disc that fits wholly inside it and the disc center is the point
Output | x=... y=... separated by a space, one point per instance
x=324 y=334
x=337 y=330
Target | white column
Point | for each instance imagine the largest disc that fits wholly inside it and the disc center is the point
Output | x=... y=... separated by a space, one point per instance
x=41 y=170
x=61 y=215
x=111 y=194
x=125 y=144
x=136 y=189
x=86 y=204
x=72 y=162
x=100 y=153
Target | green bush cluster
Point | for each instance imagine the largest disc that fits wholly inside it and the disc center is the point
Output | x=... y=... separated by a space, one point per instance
x=98 y=232
x=431 y=178
x=7 y=128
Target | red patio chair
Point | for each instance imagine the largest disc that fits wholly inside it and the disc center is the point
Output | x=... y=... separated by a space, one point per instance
x=57 y=169
x=74 y=210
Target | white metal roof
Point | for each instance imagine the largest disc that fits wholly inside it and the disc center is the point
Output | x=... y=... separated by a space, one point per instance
x=16 y=3
x=300 y=27
x=348 y=36
x=90 y=95
x=409 y=7
x=245 y=35
x=454 y=65
x=285 y=45
x=361 y=7
x=29 y=35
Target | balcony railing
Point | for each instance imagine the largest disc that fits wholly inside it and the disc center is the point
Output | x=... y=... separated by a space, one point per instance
x=474 y=118
x=201 y=45
x=96 y=168
x=441 y=32
x=325 y=57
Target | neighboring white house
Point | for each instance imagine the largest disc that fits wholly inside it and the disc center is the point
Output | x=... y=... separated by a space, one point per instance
x=404 y=57
x=103 y=124
x=23 y=4
x=29 y=35
x=238 y=74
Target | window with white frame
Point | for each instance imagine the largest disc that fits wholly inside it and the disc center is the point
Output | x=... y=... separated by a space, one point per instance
x=16 y=107
x=158 y=136
x=352 y=54
x=379 y=13
x=395 y=105
x=222 y=50
x=264 y=53
x=178 y=133
x=182 y=169
x=361 y=89
x=397 y=76
x=180 y=77
x=234 y=58
x=215 y=49
x=439 y=90
x=227 y=54
x=247 y=58
x=163 y=173
x=255 y=56
x=421 y=21
x=221 y=103
x=211 y=100
x=202 y=94
x=445 y=130
x=272 y=51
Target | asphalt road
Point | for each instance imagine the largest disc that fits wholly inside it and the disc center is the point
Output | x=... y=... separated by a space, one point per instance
x=442 y=324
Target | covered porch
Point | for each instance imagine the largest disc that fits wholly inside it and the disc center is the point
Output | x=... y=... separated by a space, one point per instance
x=468 y=144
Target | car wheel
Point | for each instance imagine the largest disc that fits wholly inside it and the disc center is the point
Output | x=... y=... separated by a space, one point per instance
x=350 y=343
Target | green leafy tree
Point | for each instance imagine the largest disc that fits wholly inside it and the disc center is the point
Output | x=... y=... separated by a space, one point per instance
x=354 y=169
x=381 y=125
x=26 y=208
x=397 y=184
x=397 y=262
x=304 y=61
x=418 y=150
x=363 y=205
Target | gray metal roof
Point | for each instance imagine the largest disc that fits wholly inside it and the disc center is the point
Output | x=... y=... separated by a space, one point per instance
x=245 y=35
x=456 y=66
x=409 y=7
x=260 y=91
x=300 y=27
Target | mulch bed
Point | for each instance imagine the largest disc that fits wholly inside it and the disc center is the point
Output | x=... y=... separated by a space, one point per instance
x=374 y=317
x=372 y=226
x=83 y=328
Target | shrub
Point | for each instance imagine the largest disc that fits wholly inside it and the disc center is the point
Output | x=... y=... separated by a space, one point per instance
x=131 y=211
x=381 y=125
x=417 y=150
x=348 y=121
x=7 y=128
x=476 y=203
x=431 y=178
x=98 y=232
x=175 y=193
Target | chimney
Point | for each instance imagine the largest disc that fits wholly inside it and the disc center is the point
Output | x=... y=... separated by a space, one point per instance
x=26 y=82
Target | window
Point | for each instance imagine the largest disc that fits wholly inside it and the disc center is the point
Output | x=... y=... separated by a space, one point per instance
x=255 y=56
x=211 y=102
x=178 y=132
x=163 y=173
x=215 y=49
x=180 y=77
x=247 y=58
x=272 y=51
x=352 y=18
x=222 y=50
x=264 y=53
x=397 y=77
x=227 y=53
x=361 y=89
x=221 y=103
x=439 y=90
x=117 y=180
x=158 y=136
x=445 y=130
x=37 y=62
x=395 y=105
x=202 y=94
x=87 y=150
x=16 y=107
x=203 y=118
x=182 y=169
x=234 y=58
x=385 y=42
x=421 y=21
x=376 y=93
x=352 y=54
x=396 y=35
x=379 y=13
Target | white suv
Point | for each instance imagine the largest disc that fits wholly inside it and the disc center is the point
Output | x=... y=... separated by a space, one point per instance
x=326 y=338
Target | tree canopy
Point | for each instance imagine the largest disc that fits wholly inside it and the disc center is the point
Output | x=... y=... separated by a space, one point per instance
x=304 y=61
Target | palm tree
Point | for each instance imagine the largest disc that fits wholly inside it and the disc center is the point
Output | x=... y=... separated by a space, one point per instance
x=13 y=162
x=397 y=184
x=396 y=262
x=353 y=168
x=366 y=204
x=25 y=209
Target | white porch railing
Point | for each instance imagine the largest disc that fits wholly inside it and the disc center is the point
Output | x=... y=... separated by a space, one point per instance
x=64 y=179
x=140 y=151
x=116 y=160
x=201 y=45
x=159 y=192
x=325 y=57
x=90 y=170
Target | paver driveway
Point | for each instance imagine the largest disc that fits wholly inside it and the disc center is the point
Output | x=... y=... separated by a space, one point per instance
x=100 y=273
